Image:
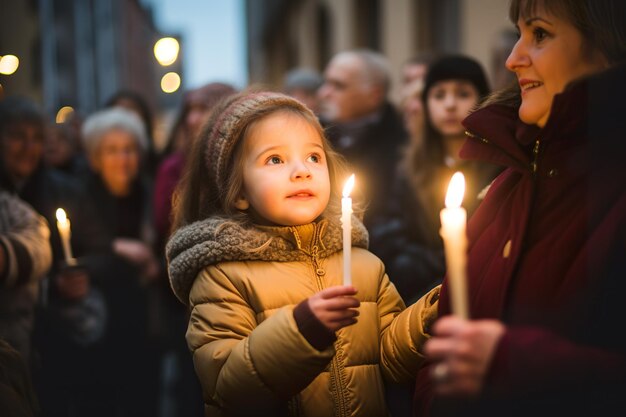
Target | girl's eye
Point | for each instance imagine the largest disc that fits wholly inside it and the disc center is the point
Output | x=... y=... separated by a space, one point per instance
x=464 y=93
x=315 y=158
x=274 y=160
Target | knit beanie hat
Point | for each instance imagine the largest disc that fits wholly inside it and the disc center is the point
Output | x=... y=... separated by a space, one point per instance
x=227 y=126
x=456 y=67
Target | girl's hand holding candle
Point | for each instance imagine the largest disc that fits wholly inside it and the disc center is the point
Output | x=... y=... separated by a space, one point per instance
x=453 y=222
x=346 y=225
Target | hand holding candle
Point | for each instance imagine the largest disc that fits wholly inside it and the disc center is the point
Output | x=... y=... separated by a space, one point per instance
x=63 y=224
x=346 y=225
x=453 y=222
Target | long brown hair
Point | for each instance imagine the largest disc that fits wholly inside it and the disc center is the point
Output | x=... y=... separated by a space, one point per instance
x=197 y=197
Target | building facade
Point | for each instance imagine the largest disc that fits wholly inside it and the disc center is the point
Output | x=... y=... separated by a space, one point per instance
x=79 y=53
x=283 y=34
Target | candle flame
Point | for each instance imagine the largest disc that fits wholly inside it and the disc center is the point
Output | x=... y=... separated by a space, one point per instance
x=456 y=189
x=61 y=216
x=347 y=189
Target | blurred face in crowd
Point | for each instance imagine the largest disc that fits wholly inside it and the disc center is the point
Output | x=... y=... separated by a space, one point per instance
x=449 y=102
x=117 y=161
x=413 y=72
x=197 y=113
x=346 y=95
x=549 y=54
x=412 y=107
x=22 y=148
x=58 y=147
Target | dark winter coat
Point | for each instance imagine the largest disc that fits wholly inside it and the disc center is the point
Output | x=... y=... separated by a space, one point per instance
x=372 y=147
x=546 y=257
x=407 y=239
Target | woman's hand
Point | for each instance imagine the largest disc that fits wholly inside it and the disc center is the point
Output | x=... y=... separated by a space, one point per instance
x=140 y=254
x=132 y=250
x=461 y=351
x=335 y=307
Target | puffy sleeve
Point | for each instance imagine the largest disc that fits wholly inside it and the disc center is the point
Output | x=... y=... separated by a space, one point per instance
x=403 y=335
x=244 y=366
x=24 y=239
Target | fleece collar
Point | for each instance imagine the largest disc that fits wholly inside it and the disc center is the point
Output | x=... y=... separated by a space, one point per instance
x=210 y=241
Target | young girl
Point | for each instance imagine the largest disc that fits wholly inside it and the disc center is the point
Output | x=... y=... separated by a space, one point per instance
x=409 y=243
x=257 y=256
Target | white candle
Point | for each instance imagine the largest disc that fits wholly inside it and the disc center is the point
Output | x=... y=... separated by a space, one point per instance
x=346 y=225
x=63 y=224
x=453 y=222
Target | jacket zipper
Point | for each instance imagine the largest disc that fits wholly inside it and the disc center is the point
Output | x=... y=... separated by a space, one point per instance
x=335 y=370
x=534 y=164
x=335 y=374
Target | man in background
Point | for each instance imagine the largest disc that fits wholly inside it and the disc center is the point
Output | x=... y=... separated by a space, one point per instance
x=362 y=124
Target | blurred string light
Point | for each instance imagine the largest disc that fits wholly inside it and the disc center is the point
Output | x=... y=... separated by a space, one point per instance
x=170 y=82
x=64 y=113
x=166 y=51
x=9 y=64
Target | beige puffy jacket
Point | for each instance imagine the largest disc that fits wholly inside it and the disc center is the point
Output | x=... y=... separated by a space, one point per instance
x=248 y=353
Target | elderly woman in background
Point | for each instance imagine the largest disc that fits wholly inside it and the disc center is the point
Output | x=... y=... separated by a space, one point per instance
x=115 y=140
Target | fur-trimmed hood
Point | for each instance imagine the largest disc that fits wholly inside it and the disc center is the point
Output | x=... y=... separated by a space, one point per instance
x=213 y=240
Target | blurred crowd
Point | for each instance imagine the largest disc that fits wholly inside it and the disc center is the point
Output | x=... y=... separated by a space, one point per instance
x=89 y=325
x=98 y=330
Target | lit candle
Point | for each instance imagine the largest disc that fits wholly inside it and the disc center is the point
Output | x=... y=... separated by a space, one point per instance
x=346 y=225
x=63 y=224
x=453 y=221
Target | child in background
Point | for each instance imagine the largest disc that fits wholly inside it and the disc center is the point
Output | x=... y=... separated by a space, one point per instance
x=257 y=255
x=408 y=241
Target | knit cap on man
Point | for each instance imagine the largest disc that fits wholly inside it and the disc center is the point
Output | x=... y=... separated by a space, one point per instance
x=229 y=125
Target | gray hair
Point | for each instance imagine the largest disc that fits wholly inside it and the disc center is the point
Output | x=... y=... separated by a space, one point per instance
x=304 y=78
x=375 y=70
x=115 y=118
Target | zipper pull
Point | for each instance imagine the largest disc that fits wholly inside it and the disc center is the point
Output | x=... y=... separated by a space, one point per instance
x=314 y=256
x=534 y=164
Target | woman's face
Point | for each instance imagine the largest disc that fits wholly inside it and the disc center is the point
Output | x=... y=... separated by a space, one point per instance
x=448 y=103
x=117 y=160
x=22 y=148
x=549 y=54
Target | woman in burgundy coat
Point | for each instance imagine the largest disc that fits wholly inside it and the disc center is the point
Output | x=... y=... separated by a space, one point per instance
x=547 y=247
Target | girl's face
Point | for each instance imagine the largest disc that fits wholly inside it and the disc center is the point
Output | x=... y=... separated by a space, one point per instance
x=548 y=55
x=117 y=160
x=449 y=102
x=285 y=174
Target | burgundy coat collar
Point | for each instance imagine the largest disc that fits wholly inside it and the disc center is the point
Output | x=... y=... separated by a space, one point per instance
x=497 y=134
